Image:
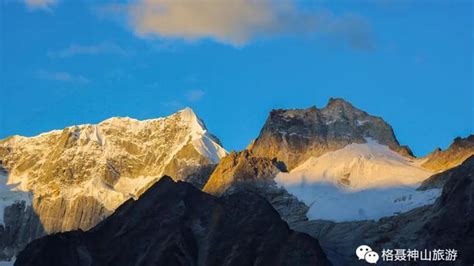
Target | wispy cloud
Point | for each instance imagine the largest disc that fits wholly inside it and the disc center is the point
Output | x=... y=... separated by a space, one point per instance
x=61 y=76
x=100 y=48
x=45 y=5
x=351 y=28
x=235 y=22
x=194 y=95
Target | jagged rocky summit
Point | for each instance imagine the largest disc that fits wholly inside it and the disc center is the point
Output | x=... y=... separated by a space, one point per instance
x=293 y=136
x=176 y=224
x=75 y=177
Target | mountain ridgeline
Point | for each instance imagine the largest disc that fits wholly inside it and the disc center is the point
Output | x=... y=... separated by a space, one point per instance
x=455 y=154
x=336 y=176
x=176 y=224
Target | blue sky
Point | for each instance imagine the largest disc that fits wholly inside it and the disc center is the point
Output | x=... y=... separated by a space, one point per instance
x=73 y=62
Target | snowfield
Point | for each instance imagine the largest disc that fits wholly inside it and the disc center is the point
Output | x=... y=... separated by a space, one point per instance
x=358 y=182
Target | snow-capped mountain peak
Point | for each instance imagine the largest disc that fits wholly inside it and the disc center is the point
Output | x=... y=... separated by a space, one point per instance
x=106 y=164
x=204 y=142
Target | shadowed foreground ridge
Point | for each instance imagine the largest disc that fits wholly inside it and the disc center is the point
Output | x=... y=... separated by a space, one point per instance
x=173 y=223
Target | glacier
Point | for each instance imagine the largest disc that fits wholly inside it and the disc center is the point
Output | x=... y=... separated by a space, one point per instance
x=358 y=182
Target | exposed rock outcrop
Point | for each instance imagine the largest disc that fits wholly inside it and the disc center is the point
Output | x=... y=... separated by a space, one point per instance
x=240 y=167
x=290 y=208
x=438 y=180
x=242 y=171
x=176 y=224
x=292 y=136
x=454 y=155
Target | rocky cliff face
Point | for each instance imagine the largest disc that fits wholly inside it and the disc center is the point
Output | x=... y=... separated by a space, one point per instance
x=440 y=160
x=240 y=167
x=77 y=176
x=242 y=171
x=176 y=224
x=447 y=224
x=438 y=180
x=292 y=136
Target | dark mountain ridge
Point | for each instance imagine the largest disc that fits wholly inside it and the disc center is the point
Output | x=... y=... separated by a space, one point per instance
x=173 y=223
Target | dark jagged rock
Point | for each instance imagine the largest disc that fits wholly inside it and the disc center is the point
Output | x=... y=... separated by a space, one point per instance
x=455 y=154
x=21 y=226
x=292 y=136
x=290 y=208
x=173 y=223
x=447 y=224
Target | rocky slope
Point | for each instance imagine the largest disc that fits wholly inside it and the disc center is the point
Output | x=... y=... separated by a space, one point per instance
x=242 y=171
x=446 y=224
x=438 y=180
x=77 y=176
x=454 y=155
x=293 y=136
x=240 y=167
x=176 y=224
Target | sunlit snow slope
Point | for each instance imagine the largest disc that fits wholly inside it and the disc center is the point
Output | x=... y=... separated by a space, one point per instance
x=358 y=182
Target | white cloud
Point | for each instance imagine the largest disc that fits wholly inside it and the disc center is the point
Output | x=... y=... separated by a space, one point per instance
x=40 y=4
x=61 y=76
x=235 y=22
x=231 y=21
x=194 y=95
x=100 y=48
